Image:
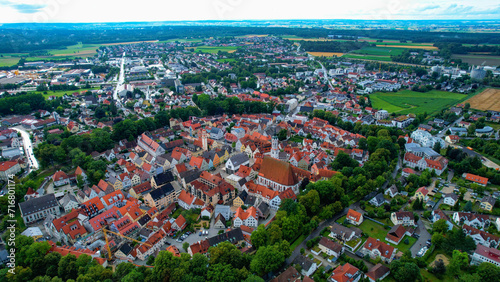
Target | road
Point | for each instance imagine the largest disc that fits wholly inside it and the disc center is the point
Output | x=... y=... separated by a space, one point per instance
x=422 y=240
x=120 y=84
x=326 y=75
x=314 y=234
x=443 y=132
x=28 y=149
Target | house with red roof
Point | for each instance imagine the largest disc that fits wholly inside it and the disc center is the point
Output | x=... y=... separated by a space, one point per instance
x=483 y=181
x=66 y=250
x=180 y=223
x=60 y=178
x=421 y=194
x=376 y=248
x=346 y=273
x=189 y=201
x=245 y=217
x=354 y=217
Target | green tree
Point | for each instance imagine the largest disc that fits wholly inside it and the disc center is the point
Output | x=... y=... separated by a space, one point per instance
x=459 y=260
x=405 y=271
x=260 y=236
x=185 y=246
x=488 y=272
x=267 y=259
x=440 y=226
x=311 y=202
x=282 y=134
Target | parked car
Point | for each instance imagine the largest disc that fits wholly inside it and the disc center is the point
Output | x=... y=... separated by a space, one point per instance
x=201 y=233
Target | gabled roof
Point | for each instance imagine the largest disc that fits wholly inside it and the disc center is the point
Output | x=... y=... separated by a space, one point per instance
x=353 y=215
x=59 y=175
x=278 y=171
x=384 y=249
x=377 y=272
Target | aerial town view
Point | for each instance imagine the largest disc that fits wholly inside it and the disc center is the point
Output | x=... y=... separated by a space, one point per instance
x=231 y=140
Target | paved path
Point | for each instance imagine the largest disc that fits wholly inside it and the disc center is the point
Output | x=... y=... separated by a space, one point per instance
x=314 y=234
x=422 y=240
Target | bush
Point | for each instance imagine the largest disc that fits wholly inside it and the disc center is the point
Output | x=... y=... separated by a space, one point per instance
x=302 y=251
x=406 y=241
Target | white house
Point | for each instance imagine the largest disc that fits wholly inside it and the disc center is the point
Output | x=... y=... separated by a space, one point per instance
x=247 y=218
x=234 y=162
x=450 y=199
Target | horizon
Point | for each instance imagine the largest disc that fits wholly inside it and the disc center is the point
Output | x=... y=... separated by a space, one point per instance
x=93 y=11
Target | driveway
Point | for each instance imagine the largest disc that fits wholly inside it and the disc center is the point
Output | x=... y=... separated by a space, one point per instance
x=422 y=240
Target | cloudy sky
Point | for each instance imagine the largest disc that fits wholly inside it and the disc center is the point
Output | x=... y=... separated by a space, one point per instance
x=15 y=11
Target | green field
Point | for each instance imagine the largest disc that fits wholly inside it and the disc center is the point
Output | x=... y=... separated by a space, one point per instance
x=60 y=93
x=7 y=61
x=215 y=49
x=379 y=51
x=366 y=57
x=227 y=60
x=406 y=101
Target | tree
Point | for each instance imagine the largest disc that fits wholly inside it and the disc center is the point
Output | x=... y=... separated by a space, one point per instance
x=440 y=226
x=185 y=246
x=439 y=268
x=363 y=144
x=275 y=234
x=311 y=202
x=468 y=206
x=488 y=271
x=267 y=259
x=437 y=147
x=282 y=134
x=260 y=237
x=459 y=260
x=227 y=253
x=405 y=271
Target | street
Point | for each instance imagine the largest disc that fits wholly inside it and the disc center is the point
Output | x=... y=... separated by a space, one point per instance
x=28 y=149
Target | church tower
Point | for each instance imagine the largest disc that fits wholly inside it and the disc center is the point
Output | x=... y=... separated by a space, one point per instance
x=204 y=139
x=274 y=149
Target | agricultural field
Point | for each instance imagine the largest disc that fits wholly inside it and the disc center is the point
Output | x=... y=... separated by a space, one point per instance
x=489 y=99
x=8 y=60
x=367 y=57
x=406 y=101
x=215 y=49
x=325 y=54
x=479 y=59
x=379 y=51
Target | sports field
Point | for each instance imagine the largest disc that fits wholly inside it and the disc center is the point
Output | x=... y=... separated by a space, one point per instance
x=406 y=101
x=489 y=99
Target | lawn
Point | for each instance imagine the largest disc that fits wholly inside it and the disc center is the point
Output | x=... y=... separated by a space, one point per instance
x=77 y=50
x=372 y=229
x=216 y=49
x=296 y=138
x=407 y=101
x=377 y=231
x=60 y=93
x=297 y=242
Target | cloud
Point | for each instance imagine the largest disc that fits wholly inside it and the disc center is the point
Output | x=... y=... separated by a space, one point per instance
x=428 y=8
x=23 y=8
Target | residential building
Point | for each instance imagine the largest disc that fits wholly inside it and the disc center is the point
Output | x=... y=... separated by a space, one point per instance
x=330 y=247
x=354 y=217
x=450 y=199
x=487 y=203
x=233 y=163
x=346 y=273
x=396 y=234
x=376 y=248
x=481 y=237
x=421 y=194
x=478 y=221
x=60 y=178
x=483 y=181
x=245 y=217
x=161 y=197
x=403 y=218
x=9 y=168
x=485 y=254
x=307 y=265
x=378 y=272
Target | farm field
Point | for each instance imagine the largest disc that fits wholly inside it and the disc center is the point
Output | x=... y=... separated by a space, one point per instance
x=479 y=59
x=489 y=99
x=325 y=54
x=406 y=101
x=367 y=57
x=215 y=49
x=409 y=46
x=379 y=51
x=7 y=61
